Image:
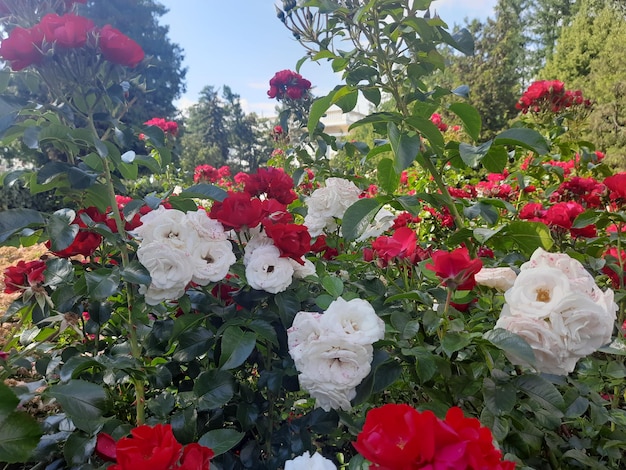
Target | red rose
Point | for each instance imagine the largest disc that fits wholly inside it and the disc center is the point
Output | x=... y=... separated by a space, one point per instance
x=23 y=275
x=398 y=437
x=238 y=211
x=617 y=186
x=614 y=260
x=149 y=448
x=118 y=48
x=70 y=31
x=288 y=84
x=196 y=457
x=105 y=444
x=273 y=182
x=168 y=127
x=85 y=244
x=455 y=269
x=293 y=241
x=23 y=47
x=400 y=245
x=275 y=212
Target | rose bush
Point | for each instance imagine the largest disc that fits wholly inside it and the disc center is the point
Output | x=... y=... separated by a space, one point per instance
x=312 y=315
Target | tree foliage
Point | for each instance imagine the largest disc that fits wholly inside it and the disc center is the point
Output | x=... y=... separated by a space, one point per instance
x=588 y=56
x=495 y=70
x=218 y=132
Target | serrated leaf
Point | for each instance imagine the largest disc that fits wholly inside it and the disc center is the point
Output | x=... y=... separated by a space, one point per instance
x=543 y=391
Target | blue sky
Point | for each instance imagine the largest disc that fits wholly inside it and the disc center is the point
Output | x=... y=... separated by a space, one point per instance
x=241 y=43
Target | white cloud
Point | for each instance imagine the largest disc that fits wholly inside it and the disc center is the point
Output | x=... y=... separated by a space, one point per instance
x=263 y=109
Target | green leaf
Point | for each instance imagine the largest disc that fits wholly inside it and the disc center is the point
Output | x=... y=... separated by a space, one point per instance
x=135 y=273
x=101 y=147
x=377 y=118
x=333 y=285
x=372 y=95
x=523 y=137
x=500 y=398
x=511 y=344
x=75 y=365
x=526 y=236
x=405 y=147
x=318 y=109
x=496 y=160
x=470 y=117
x=471 y=155
x=388 y=177
x=346 y=98
x=453 y=342
x=236 y=347
x=214 y=388
x=431 y=132
x=542 y=391
x=205 y=191
x=583 y=459
x=358 y=216
x=221 y=440
x=83 y=402
x=8 y=401
x=486 y=211
x=19 y=435
x=60 y=231
x=14 y=220
x=102 y=283
x=385 y=371
x=78 y=448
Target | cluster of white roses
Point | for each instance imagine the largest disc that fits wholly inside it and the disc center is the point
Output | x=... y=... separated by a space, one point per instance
x=178 y=248
x=267 y=270
x=556 y=306
x=329 y=203
x=333 y=350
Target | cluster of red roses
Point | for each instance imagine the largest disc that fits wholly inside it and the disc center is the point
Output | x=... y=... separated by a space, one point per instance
x=398 y=437
x=57 y=34
x=168 y=127
x=24 y=275
x=288 y=84
x=209 y=174
x=152 y=448
x=245 y=209
x=550 y=95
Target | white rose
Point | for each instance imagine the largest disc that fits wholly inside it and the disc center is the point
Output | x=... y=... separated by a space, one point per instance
x=170 y=268
x=356 y=319
x=211 y=261
x=584 y=325
x=205 y=227
x=536 y=292
x=310 y=462
x=300 y=271
x=164 y=225
x=580 y=279
x=344 y=193
x=305 y=329
x=316 y=224
x=551 y=355
x=258 y=240
x=496 y=278
x=328 y=203
x=332 y=369
x=267 y=271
